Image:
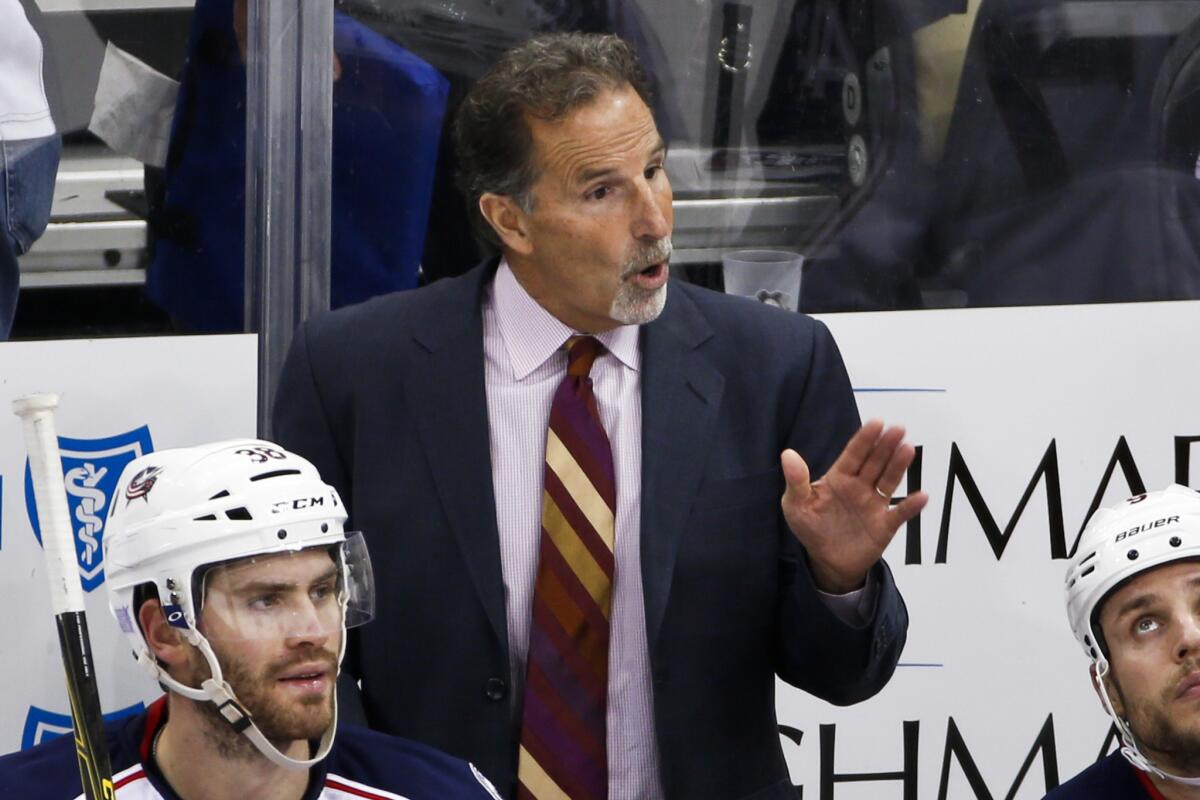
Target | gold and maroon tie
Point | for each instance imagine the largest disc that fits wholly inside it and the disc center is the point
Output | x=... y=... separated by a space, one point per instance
x=563 y=752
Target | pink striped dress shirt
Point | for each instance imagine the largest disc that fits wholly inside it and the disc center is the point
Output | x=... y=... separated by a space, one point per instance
x=523 y=364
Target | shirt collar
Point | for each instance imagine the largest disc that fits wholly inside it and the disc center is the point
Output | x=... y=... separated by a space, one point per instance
x=531 y=334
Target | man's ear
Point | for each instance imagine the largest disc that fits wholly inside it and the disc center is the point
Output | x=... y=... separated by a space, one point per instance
x=508 y=220
x=166 y=642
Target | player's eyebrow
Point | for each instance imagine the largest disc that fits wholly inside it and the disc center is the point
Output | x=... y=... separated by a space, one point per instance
x=1144 y=600
x=330 y=574
x=265 y=587
x=1136 y=604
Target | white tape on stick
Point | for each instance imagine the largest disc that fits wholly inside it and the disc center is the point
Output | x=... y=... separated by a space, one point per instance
x=45 y=468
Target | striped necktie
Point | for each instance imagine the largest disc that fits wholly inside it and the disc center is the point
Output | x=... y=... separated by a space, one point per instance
x=563 y=752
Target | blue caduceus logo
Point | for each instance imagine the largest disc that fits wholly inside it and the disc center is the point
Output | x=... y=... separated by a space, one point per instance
x=91 y=468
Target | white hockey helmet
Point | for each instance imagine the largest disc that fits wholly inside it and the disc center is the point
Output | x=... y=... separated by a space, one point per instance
x=1119 y=543
x=177 y=513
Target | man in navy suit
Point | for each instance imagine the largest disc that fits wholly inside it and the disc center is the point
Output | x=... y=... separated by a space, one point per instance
x=428 y=410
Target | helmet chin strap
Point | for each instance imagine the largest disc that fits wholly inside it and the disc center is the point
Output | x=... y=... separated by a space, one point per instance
x=217 y=691
x=1129 y=747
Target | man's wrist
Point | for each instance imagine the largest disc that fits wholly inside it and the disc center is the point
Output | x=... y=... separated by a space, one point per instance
x=831 y=582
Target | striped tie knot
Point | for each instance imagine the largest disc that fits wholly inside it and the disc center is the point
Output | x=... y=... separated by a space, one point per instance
x=582 y=352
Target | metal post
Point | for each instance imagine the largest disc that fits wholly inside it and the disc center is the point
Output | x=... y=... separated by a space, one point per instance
x=733 y=59
x=289 y=135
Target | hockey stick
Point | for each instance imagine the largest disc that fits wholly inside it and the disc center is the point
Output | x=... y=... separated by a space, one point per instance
x=66 y=593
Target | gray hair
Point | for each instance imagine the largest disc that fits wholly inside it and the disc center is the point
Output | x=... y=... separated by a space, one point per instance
x=546 y=77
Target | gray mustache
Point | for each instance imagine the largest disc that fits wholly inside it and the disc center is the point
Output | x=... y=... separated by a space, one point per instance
x=656 y=253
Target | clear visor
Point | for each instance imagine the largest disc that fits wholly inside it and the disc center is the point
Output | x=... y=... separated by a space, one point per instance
x=316 y=592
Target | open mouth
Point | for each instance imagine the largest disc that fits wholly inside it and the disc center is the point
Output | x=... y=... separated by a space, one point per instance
x=653 y=270
x=650 y=276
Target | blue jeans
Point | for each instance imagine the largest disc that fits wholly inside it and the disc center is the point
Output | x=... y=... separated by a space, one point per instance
x=28 y=170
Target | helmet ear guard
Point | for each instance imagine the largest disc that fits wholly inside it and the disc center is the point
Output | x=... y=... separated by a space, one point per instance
x=1119 y=543
x=179 y=512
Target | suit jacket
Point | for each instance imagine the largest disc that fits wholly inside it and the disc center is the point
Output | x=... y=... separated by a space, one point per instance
x=387 y=399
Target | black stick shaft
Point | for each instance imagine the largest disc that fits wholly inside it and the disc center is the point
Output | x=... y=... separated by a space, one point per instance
x=90 y=746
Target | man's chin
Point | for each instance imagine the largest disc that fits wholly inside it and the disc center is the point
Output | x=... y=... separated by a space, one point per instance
x=1172 y=746
x=296 y=726
x=633 y=306
x=289 y=718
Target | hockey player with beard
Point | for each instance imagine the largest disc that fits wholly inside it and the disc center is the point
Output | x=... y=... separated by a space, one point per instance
x=229 y=572
x=1133 y=599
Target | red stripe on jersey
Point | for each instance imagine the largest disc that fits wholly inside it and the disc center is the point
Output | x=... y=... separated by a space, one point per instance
x=155 y=716
x=334 y=783
x=1151 y=790
x=130 y=778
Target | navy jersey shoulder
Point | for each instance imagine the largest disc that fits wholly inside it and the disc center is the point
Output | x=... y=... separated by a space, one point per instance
x=360 y=761
x=49 y=771
x=1111 y=778
x=414 y=770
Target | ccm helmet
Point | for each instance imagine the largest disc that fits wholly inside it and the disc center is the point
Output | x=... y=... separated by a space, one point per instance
x=178 y=513
x=1119 y=543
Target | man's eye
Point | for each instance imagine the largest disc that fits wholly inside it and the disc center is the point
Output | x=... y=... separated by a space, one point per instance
x=264 y=602
x=652 y=172
x=599 y=193
x=1145 y=625
x=322 y=591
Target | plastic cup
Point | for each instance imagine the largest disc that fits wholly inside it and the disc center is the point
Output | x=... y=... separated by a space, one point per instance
x=769 y=276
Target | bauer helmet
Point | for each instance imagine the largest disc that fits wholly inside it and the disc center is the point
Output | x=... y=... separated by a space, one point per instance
x=1118 y=544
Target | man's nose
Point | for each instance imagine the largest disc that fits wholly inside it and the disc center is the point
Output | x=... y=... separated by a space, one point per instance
x=310 y=625
x=652 y=216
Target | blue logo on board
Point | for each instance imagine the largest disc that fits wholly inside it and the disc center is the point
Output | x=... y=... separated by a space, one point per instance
x=91 y=468
x=42 y=725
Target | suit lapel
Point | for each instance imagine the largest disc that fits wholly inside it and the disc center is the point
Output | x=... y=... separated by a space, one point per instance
x=681 y=392
x=450 y=400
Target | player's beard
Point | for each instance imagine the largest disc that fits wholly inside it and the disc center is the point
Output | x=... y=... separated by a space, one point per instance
x=281 y=723
x=1174 y=739
x=633 y=305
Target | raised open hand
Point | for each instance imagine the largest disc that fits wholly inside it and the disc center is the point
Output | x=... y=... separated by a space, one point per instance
x=846 y=519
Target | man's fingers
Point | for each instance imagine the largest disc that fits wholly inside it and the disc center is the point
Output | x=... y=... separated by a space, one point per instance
x=858 y=449
x=795 y=473
x=881 y=456
x=901 y=458
x=906 y=509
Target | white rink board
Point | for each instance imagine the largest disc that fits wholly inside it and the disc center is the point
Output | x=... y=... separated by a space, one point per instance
x=988 y=645
x=183 y=390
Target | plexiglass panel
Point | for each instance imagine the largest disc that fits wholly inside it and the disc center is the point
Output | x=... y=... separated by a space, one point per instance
x=942 y=153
